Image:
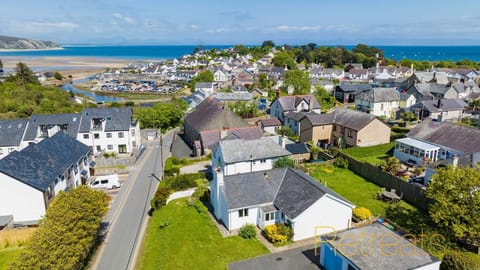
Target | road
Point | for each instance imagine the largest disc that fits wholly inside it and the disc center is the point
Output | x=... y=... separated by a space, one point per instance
x=126 y=219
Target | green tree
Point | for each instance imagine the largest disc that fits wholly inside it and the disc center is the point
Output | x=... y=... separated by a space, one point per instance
x=58 y=76
x=391 y=165
x=326 y=100
x=67 y=233
x=455 y=196
x=22 y=75
x=282 y=59
x=163 y=115
x=284 y=162
x=314 y=150
x=368 y=51
x=241 y=49
x=204 y=76
x=268 y=43
x=455 y=260
x=299 y=80
x=263 y=82
x=285 y=131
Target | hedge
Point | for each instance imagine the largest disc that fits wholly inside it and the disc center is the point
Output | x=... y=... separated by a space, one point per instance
x=455 y=260
x=68 y=232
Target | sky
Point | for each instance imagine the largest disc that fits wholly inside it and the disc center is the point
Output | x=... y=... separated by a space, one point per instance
x=206 y=22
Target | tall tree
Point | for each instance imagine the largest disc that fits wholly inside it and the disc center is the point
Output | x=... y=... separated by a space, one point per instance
x=282 y=59
x=23 y=75
x=326 y=100
x=268 y=43
x=455 y=195
x=299 y=80
x=204 y=76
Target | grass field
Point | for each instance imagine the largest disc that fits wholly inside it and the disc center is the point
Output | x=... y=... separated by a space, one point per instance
x=191 y=241
x=7 y=255
x=373 y=154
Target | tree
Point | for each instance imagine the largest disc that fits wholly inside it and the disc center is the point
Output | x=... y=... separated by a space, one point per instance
x=299 y=80
x=284 y=162
x=455 y=260
x=268 y=43
x=23 y=75
x=204 y=76
x=241 y=49
x=391 y=165
x=284 y=131
x=455 y=207
x=58 y=76
x=368 y=51
x=326 y=100
x=67 y=233
x=198 y=49
x=314 y=150
x=408 y=116
x=282 y=59
x=263 y=82
x=1 y=64
x=162 y=115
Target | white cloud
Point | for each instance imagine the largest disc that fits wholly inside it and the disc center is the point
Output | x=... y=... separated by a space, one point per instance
x=60 y=25
x=293 y=28
x=126 y=19
x=219 y=30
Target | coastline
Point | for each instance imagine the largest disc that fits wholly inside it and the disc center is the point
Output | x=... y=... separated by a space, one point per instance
x=31 y=50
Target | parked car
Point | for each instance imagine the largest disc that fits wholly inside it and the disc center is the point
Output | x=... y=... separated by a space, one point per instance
x=105 y=182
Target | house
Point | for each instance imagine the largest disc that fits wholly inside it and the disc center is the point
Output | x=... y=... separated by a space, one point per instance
x=11 y=134
x=204 y=87
x=358 y=74
x=406 y=100
x=299 y=103
x=31 y=178
x=210 y=114
x=435 y=141
x=344 y=127
x=292 y=120
x=379 y=102
x=210 y=138
x=270 y=125
x=466 y=90
x=283 y=195
x=421 y=91
x=41 y=126
x=241 y=156
x=346 y=93
x=373 y=247
x=443 y=91
x=109 y=130
x=440 y=109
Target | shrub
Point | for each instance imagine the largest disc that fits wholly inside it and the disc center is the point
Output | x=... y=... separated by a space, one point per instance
x=278 y=234
x=362 y=213
x=175 y=161
x=284 y=162
x=248 y=231
x=58 y=76
x=455 y=260
x=341 y=162
x=160 y=198
x=400 y=130
x=184 y=181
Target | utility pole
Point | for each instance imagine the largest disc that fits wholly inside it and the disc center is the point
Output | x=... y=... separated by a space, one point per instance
x=161 y=154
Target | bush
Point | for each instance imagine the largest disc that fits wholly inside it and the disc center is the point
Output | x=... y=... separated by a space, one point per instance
x=58 y=76
x=175 y=161
x=362 y=213
x=248 y=231
x=400 y=130
x=184 y=181
x=160 y=198
x=284 y=162
x=341 y=162
x=68 y=232
x=455 y=260
x=278 y=234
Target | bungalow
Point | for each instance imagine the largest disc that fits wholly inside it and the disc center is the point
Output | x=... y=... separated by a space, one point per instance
x=30 y=179
x=344 y=127
x=441 y=109
x=283 y=195
x=300 y=103
x=241 y=156
x=11 y=134
x=373 y=247
x=379 y=102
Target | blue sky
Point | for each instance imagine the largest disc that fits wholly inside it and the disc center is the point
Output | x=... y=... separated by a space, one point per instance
x=346 y=22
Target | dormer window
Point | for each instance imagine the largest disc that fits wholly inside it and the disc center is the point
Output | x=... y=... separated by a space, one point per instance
x=97 y=123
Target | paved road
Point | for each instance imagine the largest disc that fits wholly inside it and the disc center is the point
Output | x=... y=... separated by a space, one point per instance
x=127 y=216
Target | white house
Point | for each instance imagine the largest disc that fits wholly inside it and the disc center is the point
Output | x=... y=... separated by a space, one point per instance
x=241 y=156
x=204 y=87
x=42 y=126
x=109 y=130
x=31 y=178
x=11 y=134
x=379 y=102
x=299 y=103
x=283 y=195
x=373 y=247
x=220 y=76
x=440 y=109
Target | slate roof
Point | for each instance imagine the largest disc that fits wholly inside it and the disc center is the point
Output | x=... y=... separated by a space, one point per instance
x=245 y=150
x=371 y=252
x=72 y=120
x=203 y=85
x=40 y=164
x=271 y=122
x=448 y=135
x=421 y=88
x=446 y=105
x=11 y=132
x=354 y=87
x=297 y=148
x=289 y=103
x=380 y=95
x=212 y=114
x=355 y=120
x=404 y=96
x=297 y=116
x=116 y=119
x=210 y=138
x=290 y=190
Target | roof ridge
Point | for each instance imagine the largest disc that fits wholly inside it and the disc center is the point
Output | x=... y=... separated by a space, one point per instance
x=281 y=182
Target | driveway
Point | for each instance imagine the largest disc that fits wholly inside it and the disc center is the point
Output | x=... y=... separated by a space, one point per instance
x=302 y=258
x=203 y=166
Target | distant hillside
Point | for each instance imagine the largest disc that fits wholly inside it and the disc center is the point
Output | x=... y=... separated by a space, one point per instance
x=13 y=43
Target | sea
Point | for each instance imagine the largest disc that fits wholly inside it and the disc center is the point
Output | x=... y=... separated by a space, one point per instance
x=162 y=52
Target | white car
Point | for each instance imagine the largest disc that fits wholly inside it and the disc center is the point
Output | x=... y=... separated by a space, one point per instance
x=105 y=181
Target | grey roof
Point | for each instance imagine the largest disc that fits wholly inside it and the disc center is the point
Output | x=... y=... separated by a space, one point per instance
x=40 y=164
x=234 y=96
x=355 y=120
x=290 y=190
x=445 y=105
x=436 y=88
x=354 y=87
x=404 y=96
x=297 y=116
x=11 y=132
x=289 y=103
x=448 y=135
x=380 y=95
x=116 y=119
x=297 y=148
x=203 y=85
x=72 y=120
x=210 y=138
x=421 y=88
x=380 y=249
x=244 y=150
x=5 y=220
x=271 y=122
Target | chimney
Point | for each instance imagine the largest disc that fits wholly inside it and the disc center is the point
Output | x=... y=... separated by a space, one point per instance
x=310 y=104
x=278 y=93
x=223 y=133
x=281 y=141
x=215 y=195
x=265 y=175
x=455 y=161
x=411 y=69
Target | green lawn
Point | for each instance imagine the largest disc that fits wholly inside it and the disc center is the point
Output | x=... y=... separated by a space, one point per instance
x=191 y=241
x=373 y=154
x=7 y=255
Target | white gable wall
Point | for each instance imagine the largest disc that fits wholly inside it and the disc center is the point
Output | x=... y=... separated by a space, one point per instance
x=327 y=212
x=24 y=202
x=236 y=222
x=249 y=166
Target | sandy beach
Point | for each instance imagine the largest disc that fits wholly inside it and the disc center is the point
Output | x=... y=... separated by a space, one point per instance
x=78 y=67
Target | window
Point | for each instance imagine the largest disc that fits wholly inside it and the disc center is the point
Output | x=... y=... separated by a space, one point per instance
x=109 y=147
x=243 y=212
x=134 y=144
x=109 y=135
x=133 y=132
x=343 y=130
x=350 y=133
x=122 y=148
x=96 y=136
x=99 y=148
x=381 y=107
x=283 y=216
x=334 y=128
x=86 y=136
x=120 y=135
x=263 y=161
x=1 y=151
x=269 y=216
x=104 y=181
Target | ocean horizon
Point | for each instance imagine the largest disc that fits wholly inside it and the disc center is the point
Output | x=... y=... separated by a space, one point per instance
x=163 y=52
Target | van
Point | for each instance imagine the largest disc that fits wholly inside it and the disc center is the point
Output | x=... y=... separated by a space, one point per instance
x=105 y=181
